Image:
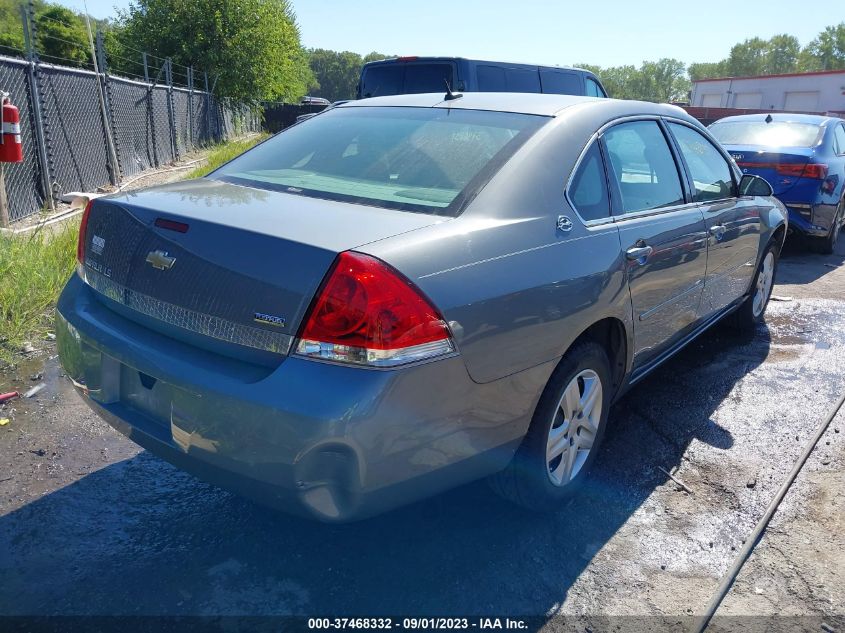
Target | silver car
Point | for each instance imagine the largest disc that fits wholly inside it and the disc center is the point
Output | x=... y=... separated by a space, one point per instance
x=408 y=293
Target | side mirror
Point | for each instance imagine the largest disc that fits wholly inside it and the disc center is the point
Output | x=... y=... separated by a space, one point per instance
x=751 y=185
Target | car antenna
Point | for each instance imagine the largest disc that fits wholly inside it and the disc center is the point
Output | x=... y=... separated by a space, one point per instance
x=451 y=96
x=769 y=118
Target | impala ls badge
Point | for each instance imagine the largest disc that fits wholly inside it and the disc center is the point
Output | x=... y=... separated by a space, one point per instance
x=160 y=260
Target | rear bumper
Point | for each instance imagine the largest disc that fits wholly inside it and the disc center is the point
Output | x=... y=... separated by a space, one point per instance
x=812 y=220
x=332 y=442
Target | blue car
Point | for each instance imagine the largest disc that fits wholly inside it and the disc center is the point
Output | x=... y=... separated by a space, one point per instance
x=803 y=158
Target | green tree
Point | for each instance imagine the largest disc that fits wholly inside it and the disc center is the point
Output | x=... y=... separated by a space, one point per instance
x=11 y=28
x=374 y=57
x=826 y=51
x=252 y=47
x=707 y=70
x=748 y=58
x=61 y=36
x=336 y=73
x=782 y=54
x=661 y=81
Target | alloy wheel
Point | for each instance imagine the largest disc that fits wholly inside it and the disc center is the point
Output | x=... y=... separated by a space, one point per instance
x=574 y=427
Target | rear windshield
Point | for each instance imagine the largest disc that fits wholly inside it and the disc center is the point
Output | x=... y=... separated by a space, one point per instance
x=428 y=160
x=402 y=78
x=774 y=134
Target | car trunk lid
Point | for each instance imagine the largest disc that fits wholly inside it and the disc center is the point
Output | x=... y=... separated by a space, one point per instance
x=225 y=267
x=781 y=168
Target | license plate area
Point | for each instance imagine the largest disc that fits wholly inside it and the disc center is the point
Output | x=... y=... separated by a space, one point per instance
x=146 y=394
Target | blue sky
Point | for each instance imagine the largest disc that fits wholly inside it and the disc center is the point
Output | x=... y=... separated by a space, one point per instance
x=608 y=33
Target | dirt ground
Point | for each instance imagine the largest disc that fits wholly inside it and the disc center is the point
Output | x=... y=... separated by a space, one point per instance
x=92 y=525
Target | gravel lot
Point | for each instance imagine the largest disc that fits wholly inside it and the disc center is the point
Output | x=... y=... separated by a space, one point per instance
x=91 y=524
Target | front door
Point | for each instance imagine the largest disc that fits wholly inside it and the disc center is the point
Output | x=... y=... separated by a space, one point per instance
x=733 y=223
x=663 y=236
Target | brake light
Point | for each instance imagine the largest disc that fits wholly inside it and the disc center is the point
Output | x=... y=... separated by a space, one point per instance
x=367 y=313
x=83 y=229
x=802 y=170
x=407 y=58
x=817 y=171
x=790 y=169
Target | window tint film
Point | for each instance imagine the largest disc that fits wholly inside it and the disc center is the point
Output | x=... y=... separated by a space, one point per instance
x=412 y=159
x=421 y=78
x=593 y=89
x=643 y=166
x=588 y=191
x=710 y=172
x=491 y=79
x=500 y=79
x=379 y=81
x=774 y=134
x=561 y=83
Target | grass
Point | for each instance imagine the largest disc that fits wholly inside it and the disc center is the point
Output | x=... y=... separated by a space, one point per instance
x=33 y=269
x=223 y=153
x=35 y=266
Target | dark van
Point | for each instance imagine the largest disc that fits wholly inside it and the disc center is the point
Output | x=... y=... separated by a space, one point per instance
x=410 y=75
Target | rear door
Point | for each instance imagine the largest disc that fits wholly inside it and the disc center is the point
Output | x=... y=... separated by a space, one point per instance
x=663 y=236
x=733 y=223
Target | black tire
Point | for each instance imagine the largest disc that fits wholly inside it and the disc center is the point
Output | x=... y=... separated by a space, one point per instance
x=827 y=245
x=526 y=481
x=744 y=319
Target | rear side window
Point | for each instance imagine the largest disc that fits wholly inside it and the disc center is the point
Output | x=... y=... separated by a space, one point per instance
x=421 y=78
x=501 y=79
x=839 y=139
x=774 y=134
x=403 y=78
x=593 y=89
x=588 y=191
x=643 y=166
x=710 y=172
x=382 y=80
x=561 y=83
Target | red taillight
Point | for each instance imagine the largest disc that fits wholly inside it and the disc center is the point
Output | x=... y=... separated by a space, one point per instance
x=83 y=229
x=790 y=169
x=367 y=313
x=802 y=170
x=407 y=58
x=817 y=171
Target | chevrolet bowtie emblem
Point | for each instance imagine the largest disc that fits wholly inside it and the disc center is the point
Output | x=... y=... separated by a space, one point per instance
x=160 y=260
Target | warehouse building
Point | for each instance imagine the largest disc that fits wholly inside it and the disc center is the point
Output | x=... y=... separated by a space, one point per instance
x=819 y=92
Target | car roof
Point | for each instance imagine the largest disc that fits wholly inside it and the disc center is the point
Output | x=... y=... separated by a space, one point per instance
x=786 y=117
x=550 y=105
x=445 y=58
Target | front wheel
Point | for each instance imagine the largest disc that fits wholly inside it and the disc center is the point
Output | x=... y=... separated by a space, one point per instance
x=564 y=435
x=753 y=309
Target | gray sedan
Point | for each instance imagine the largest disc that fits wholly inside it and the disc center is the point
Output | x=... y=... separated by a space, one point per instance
x=408 y=293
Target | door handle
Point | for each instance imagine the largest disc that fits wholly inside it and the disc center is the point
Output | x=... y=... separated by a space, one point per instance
x=717 y=230
x=639 y=253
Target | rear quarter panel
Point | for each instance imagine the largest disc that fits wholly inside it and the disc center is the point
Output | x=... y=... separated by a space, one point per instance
x=516 y=290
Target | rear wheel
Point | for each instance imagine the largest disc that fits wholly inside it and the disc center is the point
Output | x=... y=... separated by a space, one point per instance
x=564 y=435
x=827 y=245
x=753 y=309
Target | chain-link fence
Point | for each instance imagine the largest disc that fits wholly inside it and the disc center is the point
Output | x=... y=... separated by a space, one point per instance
x=71 y=116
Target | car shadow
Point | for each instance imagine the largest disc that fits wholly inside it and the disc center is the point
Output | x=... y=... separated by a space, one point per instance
x=800 y=265
x=140 y=537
